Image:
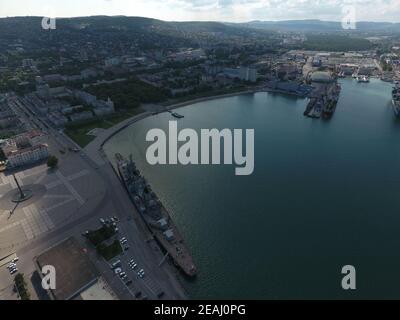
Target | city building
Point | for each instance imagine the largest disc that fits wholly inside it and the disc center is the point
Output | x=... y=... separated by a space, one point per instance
x=248 y=74
x=30 y=155
x=79 y=116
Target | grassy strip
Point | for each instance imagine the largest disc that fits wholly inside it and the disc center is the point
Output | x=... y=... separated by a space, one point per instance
x=111 y=251
x=78 y=131
x=21 y=286
x=205 y=95
x=96 y=237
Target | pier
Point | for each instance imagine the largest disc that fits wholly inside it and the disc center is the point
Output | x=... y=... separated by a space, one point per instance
x=324 y=96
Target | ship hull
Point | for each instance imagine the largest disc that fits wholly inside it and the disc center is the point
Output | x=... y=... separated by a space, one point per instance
x=396 y=108
x=176 y=250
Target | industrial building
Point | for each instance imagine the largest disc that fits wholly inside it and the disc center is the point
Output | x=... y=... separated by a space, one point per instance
x=75 y=273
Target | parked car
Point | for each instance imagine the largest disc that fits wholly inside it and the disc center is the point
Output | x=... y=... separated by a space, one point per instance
x=128 y=283
x=116 y=264
x=117 y=270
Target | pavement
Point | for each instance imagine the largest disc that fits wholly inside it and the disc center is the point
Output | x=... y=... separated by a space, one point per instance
x=68 y=201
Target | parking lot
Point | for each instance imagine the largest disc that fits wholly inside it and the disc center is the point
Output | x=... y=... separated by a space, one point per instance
x=127 y=267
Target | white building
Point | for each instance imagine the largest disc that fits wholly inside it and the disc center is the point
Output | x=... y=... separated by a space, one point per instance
x=27 y=156
x=85 y=97
x=102 y=107
x=248 y=74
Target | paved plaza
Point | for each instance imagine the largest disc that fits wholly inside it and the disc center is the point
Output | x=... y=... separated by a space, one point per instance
x=59 y=197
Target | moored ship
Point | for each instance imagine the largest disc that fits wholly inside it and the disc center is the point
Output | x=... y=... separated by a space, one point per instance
x=363 y=79
x=333 y=98
x=396 y=100
x=155 y=216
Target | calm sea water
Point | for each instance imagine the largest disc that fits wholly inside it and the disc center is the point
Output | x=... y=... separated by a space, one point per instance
x=324 y=194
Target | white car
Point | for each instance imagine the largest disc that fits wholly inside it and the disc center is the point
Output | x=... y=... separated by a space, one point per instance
x=15 y=260
x=117 y=270
x=11 y=265
x=12 y=271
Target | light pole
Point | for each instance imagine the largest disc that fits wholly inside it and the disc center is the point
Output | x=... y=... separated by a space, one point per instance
x=22 y=195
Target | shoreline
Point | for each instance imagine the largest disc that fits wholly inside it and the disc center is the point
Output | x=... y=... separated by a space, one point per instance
x=96 y=152
x=106 y=135
x=215 y=97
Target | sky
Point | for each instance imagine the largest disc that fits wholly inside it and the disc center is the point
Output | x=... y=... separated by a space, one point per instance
x=207 y=10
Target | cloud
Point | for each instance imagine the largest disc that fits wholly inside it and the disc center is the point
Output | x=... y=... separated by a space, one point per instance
x=223 y=10
x=243 y=10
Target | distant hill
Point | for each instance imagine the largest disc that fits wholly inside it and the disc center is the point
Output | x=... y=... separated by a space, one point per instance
x=319 y=25
x=145 y=31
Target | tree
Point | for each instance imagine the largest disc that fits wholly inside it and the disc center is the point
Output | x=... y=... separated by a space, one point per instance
x=52 y=162
x=2 y=155
x=21 y=286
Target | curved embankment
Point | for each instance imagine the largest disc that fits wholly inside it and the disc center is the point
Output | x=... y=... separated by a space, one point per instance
x=95 y=151
x=95 y=148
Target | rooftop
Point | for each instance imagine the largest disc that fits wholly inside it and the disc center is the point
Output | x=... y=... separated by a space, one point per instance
x=74 y=271
x=320 y=76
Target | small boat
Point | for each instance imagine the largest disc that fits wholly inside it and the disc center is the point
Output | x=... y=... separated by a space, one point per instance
x=177 y=115
x=363 y=79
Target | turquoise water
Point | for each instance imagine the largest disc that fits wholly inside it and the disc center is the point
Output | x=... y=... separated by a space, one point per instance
x=324 y=194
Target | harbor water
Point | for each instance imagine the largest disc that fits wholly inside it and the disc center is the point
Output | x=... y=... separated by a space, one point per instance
x=324 y=194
